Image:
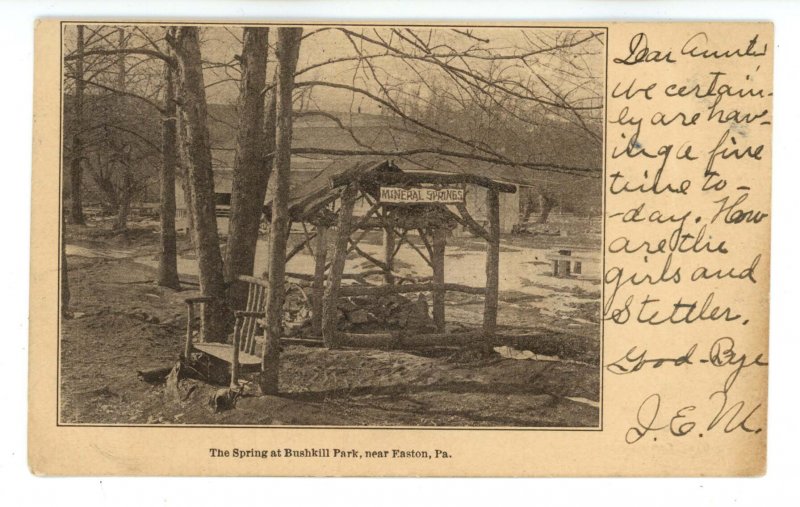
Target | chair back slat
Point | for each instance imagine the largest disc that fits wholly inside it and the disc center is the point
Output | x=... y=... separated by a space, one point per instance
x=249 y=340
x=250 y=292
x=251 y=307
x=244 y=337
x=256 y=300
x=259 y=307
x=247 y=325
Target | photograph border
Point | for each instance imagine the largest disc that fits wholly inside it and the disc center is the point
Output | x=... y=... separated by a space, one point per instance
x=63 y=22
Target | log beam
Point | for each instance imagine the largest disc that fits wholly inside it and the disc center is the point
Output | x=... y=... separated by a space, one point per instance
x=418 y=177
x=405 y=239
x=384 y=267
x=470 y=222
x=388 y=253
x=303 y=244
x=384 y=290
x=318 y=283
x=396 y=340
x=331 y=297
x=492 y=266
x=437 y=260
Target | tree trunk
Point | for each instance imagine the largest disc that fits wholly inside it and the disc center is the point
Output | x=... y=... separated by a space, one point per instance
x=526 y=204
x=439 y=242
x=65 y=294
x=76 y=168
x=187 y=195
x=168 y=256
x=388 y=254
x=124 y=208
x=182 y=171
x=126 y=190
x=200 y=178
x=106 y=186
x=330 y=310
x=250 y=173
x=546 y=204
x=318 y=284
x=125 y=194
x=492 y=268
x=287 y=51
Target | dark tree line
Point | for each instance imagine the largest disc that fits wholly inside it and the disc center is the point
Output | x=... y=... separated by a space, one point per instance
x=466 y=100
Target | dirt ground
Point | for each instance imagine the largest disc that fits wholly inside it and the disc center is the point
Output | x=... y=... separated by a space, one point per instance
x=122 y=323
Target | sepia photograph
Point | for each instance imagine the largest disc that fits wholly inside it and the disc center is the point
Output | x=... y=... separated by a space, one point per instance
x=331 y=225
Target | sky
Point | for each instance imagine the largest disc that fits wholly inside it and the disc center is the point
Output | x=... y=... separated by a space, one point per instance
x=425 y=81
x=577 y=72
x=221 y=44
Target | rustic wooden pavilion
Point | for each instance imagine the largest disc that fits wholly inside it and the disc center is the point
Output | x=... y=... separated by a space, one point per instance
x=395 y=202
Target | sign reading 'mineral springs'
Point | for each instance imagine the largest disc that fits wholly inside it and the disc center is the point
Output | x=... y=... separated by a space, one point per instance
x=450 y=195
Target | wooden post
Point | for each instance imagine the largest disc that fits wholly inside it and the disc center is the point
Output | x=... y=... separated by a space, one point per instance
x=492 y=266
x=237 y=338
x=318 y=285
x=202 y=322
x=189 y=328
x=388 y=248
x=437 y=259
x=329 y=305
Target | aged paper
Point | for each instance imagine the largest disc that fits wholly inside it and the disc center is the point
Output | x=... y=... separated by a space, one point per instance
x=530 y=250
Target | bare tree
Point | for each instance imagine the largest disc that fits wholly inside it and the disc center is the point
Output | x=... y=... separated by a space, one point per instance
x=460 y=97
x=65 y=294
x=123 y=70
x=463 y=98
x=287 y=53
x=76 y=168
x=168 y=255
x=252 y=164
x=194 y=112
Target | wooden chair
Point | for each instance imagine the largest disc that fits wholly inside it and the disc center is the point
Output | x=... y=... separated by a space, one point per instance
x=243 y=353
x=240 y=353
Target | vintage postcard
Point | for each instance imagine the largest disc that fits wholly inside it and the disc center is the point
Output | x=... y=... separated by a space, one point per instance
x=398 y=250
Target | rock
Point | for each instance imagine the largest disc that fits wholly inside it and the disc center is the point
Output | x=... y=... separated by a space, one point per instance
x=172 y=389
x=392 y=312
x=155 y=375
x=359 y=316
x=224 y=399
x=347 y=305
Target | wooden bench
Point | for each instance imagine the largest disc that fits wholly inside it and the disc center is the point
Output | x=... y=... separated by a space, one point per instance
x=564 y=264
x=240 y=353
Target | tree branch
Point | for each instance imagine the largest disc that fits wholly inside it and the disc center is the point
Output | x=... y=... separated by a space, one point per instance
x=125 y=51
x=557 y=168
